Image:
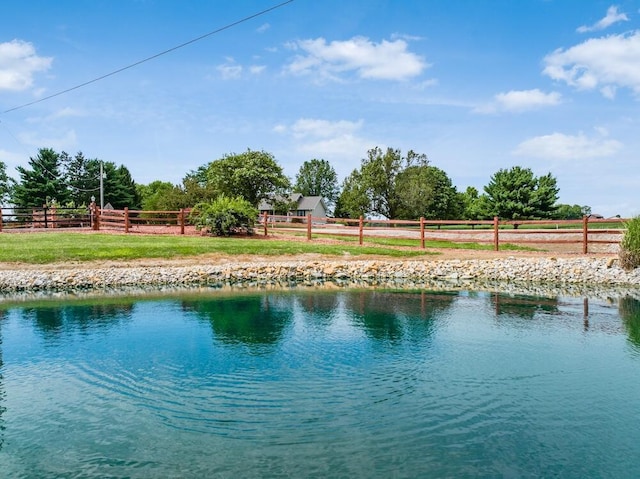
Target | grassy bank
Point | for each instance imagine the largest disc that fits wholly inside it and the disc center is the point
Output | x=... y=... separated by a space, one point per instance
x=42 y=248
x=414 y=243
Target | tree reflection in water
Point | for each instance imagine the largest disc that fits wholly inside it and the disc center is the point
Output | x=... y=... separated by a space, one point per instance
x=319 y=308
x=629 y=309
x=251 y=320
x=55 y=320
x=390 y=316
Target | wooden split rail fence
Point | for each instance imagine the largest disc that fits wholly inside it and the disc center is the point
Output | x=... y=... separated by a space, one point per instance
x=585 y=233
x=132 y=221
x=45 y=217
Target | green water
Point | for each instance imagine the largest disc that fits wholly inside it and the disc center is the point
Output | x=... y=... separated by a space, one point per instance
x=366 y=384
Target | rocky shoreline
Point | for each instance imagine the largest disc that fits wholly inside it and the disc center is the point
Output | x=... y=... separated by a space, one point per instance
x=538 y=275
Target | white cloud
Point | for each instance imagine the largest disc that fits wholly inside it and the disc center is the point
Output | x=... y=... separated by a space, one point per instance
x=559 y=146
x=257 y=69
x=308 y=127
x=230 y=70
x=19 y=63
x=339 y=141
x=610 y=18
x=67 y=141
x=66 y=112
x=429 y=83
x=263 y=28
x=520 y=100
x=388 y=60
x=608 y=63
x=404 y=36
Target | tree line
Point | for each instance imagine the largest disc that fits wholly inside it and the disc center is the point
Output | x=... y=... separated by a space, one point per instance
x=53 y=178
x=387 y=184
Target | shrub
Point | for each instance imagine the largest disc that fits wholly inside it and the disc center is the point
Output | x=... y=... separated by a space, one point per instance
x=224 y=216
x=630 y=245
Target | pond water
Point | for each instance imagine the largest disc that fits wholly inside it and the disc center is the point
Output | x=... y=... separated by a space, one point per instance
x=320 y=384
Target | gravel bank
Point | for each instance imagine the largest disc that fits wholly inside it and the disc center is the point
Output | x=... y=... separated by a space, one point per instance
x=562 y=275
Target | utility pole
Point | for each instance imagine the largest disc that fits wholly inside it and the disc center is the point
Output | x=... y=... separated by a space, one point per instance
x=101 y=187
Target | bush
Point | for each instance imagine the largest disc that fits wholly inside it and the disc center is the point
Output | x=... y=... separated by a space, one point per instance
x=630 y=245
x=225 y=216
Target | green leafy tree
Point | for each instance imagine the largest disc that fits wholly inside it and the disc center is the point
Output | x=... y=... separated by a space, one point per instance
x=225 y=216
x=42 y=183
x=353 y=200
x=154 y=196
x=196 y=187
x=5 y=183
x=426 y=191
x=545 y=196
x=119 y=188
x=379 y=171
x=474 y=205
x=374 y=188
x=83 y=178
x=517 y=194
x=571 y=212
x=317 y=178
x=253 y=175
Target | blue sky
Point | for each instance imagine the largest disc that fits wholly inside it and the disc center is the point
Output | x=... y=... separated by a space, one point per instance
x=552 y=85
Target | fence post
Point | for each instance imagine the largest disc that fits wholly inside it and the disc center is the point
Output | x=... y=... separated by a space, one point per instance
x=46 y=224
x=308 y=226
x=126 y=219
x=361 y=230
x=0 y=219
x=181 y=220
x=496 y=239
x=95 y=220
x=585 y=234
x=422 y=232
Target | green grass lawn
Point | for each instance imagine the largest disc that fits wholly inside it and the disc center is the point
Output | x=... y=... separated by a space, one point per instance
x=415 y=243
x=42 y=248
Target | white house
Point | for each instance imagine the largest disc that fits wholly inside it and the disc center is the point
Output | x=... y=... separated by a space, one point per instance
x=304 y=205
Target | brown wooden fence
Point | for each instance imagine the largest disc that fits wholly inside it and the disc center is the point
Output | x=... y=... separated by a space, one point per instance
x=139 y=221
x=584 y=235
x=45 y=217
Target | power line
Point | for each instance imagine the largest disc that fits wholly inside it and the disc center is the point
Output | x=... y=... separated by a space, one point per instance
x=119 y=70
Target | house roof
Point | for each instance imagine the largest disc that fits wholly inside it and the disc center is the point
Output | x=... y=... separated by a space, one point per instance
x=309 y=203
x=306 y=203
